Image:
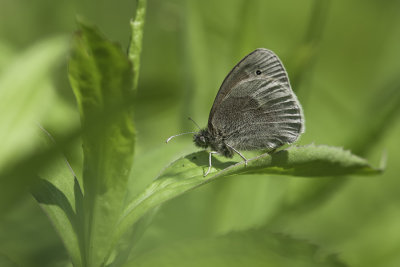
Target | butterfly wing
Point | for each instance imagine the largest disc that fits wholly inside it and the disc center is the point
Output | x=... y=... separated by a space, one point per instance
x=255 y=107
x=260 y=59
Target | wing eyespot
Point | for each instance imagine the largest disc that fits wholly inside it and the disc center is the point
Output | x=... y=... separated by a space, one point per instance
x=258 y=72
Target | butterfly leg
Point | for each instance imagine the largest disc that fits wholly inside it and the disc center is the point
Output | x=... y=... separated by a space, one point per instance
x=209 y=162
x=240 y=154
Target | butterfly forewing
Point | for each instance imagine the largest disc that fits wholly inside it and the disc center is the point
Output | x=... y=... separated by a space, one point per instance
x=262 y=60
x=255 y=107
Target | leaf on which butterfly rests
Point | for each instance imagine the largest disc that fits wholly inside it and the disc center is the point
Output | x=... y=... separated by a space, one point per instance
x=186 y=174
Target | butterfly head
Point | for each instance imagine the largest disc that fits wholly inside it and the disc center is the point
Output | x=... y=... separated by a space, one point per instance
x=202 y=138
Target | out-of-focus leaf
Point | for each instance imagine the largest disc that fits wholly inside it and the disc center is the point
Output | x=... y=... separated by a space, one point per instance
x=25 y=97
x=60 y=196
x=250 y=248
x=6 y=54
x=187 y=173
x=101 y=77
x=5 y=261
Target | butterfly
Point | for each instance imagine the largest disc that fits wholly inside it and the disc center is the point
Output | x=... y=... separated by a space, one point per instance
x=255 y=108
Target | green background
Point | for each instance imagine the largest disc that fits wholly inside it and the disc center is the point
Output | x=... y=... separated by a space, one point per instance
x=343 y=61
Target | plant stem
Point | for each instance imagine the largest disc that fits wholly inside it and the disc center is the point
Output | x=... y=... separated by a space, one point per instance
x=135 y=46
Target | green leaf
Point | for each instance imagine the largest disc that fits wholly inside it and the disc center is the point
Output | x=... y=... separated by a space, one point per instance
x=187 y=173
x=250 y=248
x=101 y=77
x=26 y=95
x=60 y=196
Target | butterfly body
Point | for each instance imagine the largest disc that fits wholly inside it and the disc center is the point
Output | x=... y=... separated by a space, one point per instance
x=216 y=141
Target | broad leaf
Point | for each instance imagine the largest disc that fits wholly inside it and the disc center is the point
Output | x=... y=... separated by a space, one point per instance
x=101 y=77
x=60 y=196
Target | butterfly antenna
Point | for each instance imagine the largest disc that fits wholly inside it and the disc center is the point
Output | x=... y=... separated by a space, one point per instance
x=194 y=123
x=169 y=139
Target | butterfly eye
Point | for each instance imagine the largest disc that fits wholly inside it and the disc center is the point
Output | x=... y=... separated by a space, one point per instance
x=258 y=72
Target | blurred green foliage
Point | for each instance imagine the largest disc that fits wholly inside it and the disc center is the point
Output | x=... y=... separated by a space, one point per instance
x=342 y=57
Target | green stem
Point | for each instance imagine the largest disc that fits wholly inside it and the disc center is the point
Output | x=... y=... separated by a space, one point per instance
x=135 y=46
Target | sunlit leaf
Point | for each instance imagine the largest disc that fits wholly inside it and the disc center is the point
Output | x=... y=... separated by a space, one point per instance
x=26 y=95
